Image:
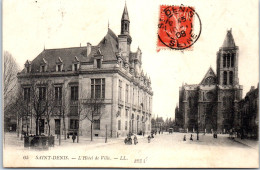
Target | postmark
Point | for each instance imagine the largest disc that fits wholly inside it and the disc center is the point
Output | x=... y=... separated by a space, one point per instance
x=179 y=27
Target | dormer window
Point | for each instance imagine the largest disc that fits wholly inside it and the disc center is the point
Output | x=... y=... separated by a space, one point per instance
x=43 y=67
x=75 y=67
x=98 y=63
x=75 y=64
x=59 y=65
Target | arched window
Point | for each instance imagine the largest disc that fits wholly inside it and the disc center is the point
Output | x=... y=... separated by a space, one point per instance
x=224 y=60
x=228 y=60
x=232 y=59
x=225 y=78
x=125 y=27
x=231 y=77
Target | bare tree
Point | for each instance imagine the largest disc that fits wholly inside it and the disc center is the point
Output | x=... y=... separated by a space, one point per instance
x=10 y=80
x=91 y=109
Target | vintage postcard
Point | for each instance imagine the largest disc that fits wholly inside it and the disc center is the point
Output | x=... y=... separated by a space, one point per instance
x=130 y=84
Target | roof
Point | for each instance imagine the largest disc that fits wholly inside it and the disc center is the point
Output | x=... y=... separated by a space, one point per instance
x=229 y=40
x=125 y=14
x=107 y=47
x=210 y=73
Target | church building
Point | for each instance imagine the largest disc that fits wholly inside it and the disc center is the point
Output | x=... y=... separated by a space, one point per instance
x=212 y=105
x=100 y=87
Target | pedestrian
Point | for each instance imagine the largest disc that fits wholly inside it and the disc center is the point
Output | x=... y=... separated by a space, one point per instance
x=73 y=137
x=135 y=140
x=184 y=138
x=149 y=139
x=191 y=137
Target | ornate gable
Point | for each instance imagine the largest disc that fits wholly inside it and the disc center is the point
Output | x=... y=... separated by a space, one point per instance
x=210 y=78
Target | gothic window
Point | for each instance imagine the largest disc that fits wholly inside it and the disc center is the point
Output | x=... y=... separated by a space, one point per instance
x=232 y=59
x=230 y=77
x=225 y=78
x=228 y=60
x=224 y=60
x=125 y=27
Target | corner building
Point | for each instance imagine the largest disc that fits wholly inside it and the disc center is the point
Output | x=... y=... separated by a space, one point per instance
x=107 y=71
x=212 y=105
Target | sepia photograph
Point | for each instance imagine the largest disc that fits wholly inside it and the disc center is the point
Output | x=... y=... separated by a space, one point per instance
x=130 y=84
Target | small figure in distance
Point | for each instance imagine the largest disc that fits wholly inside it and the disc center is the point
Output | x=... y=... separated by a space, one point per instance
x=191 y=137
x=184 y=138
x=73 y=137
x=149 y=139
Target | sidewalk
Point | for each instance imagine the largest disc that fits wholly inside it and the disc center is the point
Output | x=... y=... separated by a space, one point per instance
x=248 y=142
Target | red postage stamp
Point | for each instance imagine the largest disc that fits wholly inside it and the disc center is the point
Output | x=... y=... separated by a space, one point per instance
x=176 y=28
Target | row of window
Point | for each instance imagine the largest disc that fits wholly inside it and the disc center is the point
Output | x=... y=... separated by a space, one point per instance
x=97 y=91
x=74 y=124
x=225 y=78
x=140 y=96
x=59 y=67
x=228 y=60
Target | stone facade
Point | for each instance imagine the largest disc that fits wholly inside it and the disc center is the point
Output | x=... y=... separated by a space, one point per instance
x=109 y=72
x=212 y=105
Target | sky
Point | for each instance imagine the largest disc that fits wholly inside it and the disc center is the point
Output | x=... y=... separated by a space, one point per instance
x=29 y=26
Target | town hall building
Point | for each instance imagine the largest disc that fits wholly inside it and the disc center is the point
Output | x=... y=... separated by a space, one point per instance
x=212 y=105
x=102 y=87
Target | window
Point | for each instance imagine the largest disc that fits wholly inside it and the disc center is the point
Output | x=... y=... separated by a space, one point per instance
x=228 y=60
x=224 y=60
x=133 y=96
x=119 y=111
x=42 y=93
x=75 y=67
x=43 y=68
x=126 y=112
x=74 y=92
x=232 y=59
x=126 y=92
x=27 y=69
x=58 y=93
x=98 y=63
x=96 y=124
x=125 y=125
x=230 y=77
x=74 y=124
x=59 y=67
x=119 y=124
x=26 y=94
x=120 y=90
x=97 y=88
x=225 y=78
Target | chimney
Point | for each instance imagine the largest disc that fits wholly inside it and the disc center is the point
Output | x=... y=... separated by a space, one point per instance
x=252 y=88
x=88 y=49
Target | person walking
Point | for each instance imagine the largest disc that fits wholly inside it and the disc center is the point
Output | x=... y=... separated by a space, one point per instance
x=149 y=139
x=191 y=137
x=184 y=138
x=73 y=137
x=135 y=140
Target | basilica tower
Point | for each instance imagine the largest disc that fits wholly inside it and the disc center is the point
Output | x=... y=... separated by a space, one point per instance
x=227 y=62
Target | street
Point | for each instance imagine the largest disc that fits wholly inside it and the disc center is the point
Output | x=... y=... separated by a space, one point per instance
x=167 y=150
